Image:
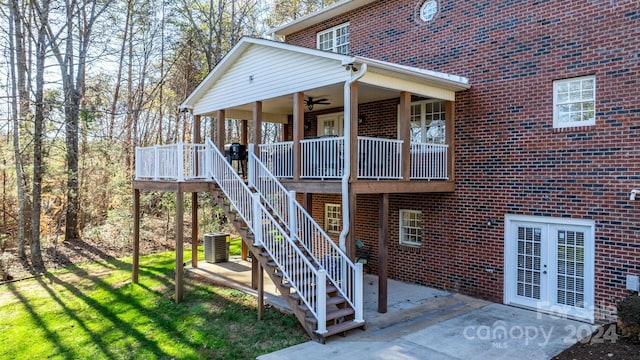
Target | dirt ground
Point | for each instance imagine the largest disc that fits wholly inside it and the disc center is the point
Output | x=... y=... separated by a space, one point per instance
x=95 y=248
x=598 y=347
x=101 y=245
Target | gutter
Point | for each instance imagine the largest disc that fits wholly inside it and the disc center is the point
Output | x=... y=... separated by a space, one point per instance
x=347 y=151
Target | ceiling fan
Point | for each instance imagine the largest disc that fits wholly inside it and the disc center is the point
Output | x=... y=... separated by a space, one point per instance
x=310 y=102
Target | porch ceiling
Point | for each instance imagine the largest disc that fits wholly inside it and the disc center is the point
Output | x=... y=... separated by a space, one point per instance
x=270 y=71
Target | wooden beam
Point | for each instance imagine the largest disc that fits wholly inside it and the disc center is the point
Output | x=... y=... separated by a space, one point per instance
x=383 y=245
x=298 y=133
x=450 y=116
x=194 y=229
x=221 y=128
x=172 y=186
x=179 y=290
x=353 y=124
x=136 y=236
x=255 y=264
x=244 y=126
x=197 y=138
x=307 y=202
x=405 y=133
x=395 y=186
x=351 y=237
x=260 y=292
x=257 y=126
x=244 y=251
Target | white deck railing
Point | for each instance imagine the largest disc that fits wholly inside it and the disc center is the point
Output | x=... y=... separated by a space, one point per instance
x=278 y=158
x=301 y=226
x=322 y=158
x=308 y=281
x=379 y=158
x=429 y=161
x=178 y=162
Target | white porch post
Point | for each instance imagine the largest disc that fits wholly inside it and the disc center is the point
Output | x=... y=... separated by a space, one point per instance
x=321 y=296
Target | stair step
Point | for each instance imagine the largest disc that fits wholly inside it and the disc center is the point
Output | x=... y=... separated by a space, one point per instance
x=342 y=327
x=332 y=315
x=332 y=301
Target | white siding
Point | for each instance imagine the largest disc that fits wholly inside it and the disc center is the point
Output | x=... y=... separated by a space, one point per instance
x=275 y=72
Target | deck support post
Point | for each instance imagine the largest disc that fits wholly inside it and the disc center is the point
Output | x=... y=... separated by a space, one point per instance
x=221 y=137
x=351 y=239
x=382 y=252
x=260 y=292
x=257 y=127
x=136 y=236
x=194 y=229
x=405 y=133
x=450 y=115
x=179 y=291
x=298 y=133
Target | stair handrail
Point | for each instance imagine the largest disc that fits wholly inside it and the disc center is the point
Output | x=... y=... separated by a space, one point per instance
x=250 y=208
x=345 y=275
x=231 y=184
x=308 y=282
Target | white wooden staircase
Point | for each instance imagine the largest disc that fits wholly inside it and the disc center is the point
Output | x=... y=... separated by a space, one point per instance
x=322 y=286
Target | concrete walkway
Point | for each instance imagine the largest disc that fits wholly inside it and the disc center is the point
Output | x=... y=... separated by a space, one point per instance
x=422 y=323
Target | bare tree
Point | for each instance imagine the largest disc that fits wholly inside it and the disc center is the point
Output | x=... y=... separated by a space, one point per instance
x=38 y=134
x=70 y=46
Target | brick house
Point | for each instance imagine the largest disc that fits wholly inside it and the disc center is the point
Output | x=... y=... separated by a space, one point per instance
x=511 y=129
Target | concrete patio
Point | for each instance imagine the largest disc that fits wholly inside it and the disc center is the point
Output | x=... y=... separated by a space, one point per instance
x=421 y=323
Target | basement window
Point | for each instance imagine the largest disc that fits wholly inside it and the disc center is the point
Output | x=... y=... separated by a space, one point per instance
x=410 y=227
x=332 y=218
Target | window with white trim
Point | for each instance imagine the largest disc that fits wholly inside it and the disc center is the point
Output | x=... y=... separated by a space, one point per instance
x=574 y=102
x=428 y=122
x=335 y=39
x=411 y=227
x=332 y=218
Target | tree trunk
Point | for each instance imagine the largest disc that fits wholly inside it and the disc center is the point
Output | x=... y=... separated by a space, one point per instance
x=19 y=110
x=38 y=133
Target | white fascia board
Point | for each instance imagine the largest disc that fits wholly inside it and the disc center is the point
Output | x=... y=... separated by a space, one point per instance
x=447 y=81
x=319 y=16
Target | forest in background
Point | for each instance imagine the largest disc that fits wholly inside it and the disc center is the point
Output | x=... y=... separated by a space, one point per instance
x=83 y=82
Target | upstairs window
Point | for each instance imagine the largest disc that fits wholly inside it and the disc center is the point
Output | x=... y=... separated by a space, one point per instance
x=574 y=102
x=335 y=39
x=428 y=122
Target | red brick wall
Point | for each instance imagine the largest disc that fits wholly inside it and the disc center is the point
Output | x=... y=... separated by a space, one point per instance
x=509 y=159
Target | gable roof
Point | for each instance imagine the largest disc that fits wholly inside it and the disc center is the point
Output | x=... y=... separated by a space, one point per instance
x=319 y=16
x=258 y=69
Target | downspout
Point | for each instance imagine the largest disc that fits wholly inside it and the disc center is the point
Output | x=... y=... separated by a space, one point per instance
x=347 y=155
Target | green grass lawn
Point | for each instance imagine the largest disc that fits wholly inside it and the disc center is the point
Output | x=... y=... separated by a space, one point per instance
x=235 y=246
x=93 y=311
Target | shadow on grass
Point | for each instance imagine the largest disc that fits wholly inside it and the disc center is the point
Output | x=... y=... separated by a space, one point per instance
x=51 y=335
x=142 y=317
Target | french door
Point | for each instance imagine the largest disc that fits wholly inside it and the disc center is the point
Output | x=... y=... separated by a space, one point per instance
x=549 y=265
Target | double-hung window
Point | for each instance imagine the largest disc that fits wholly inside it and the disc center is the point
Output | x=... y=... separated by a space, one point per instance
x=332 y=218
x=411 y=227
x=335 y=39
x=574 y=102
